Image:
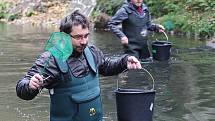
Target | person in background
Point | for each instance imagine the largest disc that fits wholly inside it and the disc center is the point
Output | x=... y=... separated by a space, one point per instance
x=134 y=16
x=74 y=84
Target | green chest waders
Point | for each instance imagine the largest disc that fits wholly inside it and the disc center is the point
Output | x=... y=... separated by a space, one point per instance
x=135 y=28
x=77 y=99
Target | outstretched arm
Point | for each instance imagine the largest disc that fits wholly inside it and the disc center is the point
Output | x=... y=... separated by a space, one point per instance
x=109 y=66
x=28 y=86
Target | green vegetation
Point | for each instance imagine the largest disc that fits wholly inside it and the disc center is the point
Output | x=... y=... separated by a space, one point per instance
x=194 y=16
x=3 y=9
x=109 y=7
x=5 y=14
x=182 y=16
x=29 y=12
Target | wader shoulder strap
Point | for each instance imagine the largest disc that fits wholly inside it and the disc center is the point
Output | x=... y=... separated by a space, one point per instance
x=127 y=9
x=90 y=59
x=63 y=66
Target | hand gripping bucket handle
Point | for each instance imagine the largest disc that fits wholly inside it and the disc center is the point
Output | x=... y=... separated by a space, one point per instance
x=153 y=81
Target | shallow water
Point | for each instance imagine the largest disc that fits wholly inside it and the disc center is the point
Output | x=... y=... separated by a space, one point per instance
x=184 y=85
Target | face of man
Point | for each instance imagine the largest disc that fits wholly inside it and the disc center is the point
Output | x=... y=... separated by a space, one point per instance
x=79 y=38
x=137 y=2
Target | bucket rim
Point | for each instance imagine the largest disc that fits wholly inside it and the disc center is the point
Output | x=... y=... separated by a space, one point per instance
x=133 y=91
x=161 y=43
x=154 y=42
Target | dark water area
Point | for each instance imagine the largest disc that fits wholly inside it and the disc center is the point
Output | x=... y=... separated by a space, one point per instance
x=184 y=85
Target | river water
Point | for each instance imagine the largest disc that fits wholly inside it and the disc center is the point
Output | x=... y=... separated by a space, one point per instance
x=184 y=85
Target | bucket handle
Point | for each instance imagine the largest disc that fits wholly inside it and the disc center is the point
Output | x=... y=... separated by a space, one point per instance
x=153 y=80
x=162 y=31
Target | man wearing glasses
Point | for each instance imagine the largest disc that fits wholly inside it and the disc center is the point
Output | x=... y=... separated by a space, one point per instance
x=74 y=85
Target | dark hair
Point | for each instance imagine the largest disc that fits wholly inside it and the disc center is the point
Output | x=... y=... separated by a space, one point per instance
x=74 y=19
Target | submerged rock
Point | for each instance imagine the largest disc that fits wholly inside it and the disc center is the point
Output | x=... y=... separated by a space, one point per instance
x=101 y=21
x=211 y=43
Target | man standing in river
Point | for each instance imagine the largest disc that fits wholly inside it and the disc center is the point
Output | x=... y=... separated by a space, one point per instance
x=136 y=21
x=74 y=84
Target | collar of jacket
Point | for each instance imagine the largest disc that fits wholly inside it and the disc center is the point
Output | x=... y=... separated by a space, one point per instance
x=134 y=7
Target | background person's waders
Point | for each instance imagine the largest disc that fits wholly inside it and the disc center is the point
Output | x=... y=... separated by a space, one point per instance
x=132 y=27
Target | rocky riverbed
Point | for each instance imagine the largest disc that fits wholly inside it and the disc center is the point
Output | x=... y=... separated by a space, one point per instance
x=49 y=12
x=37 y=12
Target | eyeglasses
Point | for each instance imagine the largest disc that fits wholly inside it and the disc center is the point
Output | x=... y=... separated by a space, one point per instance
x=80 y=36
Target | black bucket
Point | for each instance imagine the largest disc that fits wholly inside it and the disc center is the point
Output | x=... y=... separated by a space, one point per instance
x=135 y=104
x=161 y=49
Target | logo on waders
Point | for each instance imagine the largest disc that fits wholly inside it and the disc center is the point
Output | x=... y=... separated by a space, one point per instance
x=92 y=111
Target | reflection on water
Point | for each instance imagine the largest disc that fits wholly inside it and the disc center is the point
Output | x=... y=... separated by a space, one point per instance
x=184 y=85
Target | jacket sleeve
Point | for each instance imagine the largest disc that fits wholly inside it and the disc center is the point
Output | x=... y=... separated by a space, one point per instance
x=43 y=66
x=150 y=25
x=109 y=66
x=23 y=91
x=116 y=20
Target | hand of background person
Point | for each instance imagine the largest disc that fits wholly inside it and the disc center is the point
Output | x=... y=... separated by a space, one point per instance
x=36 y=82
x=124 y=40
x=133 y=63
x=161 y=28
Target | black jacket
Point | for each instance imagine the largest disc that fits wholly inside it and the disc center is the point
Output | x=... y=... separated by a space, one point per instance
x=122 y=15
x=77 y=63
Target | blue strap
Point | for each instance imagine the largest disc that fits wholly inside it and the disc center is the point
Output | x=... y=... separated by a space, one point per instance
x=90 y=59
x=64 y=68
x=62 y=65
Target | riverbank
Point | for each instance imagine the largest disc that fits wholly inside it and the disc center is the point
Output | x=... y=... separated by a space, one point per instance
x=36 y=13
x=49 y=13
x=196 y=18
